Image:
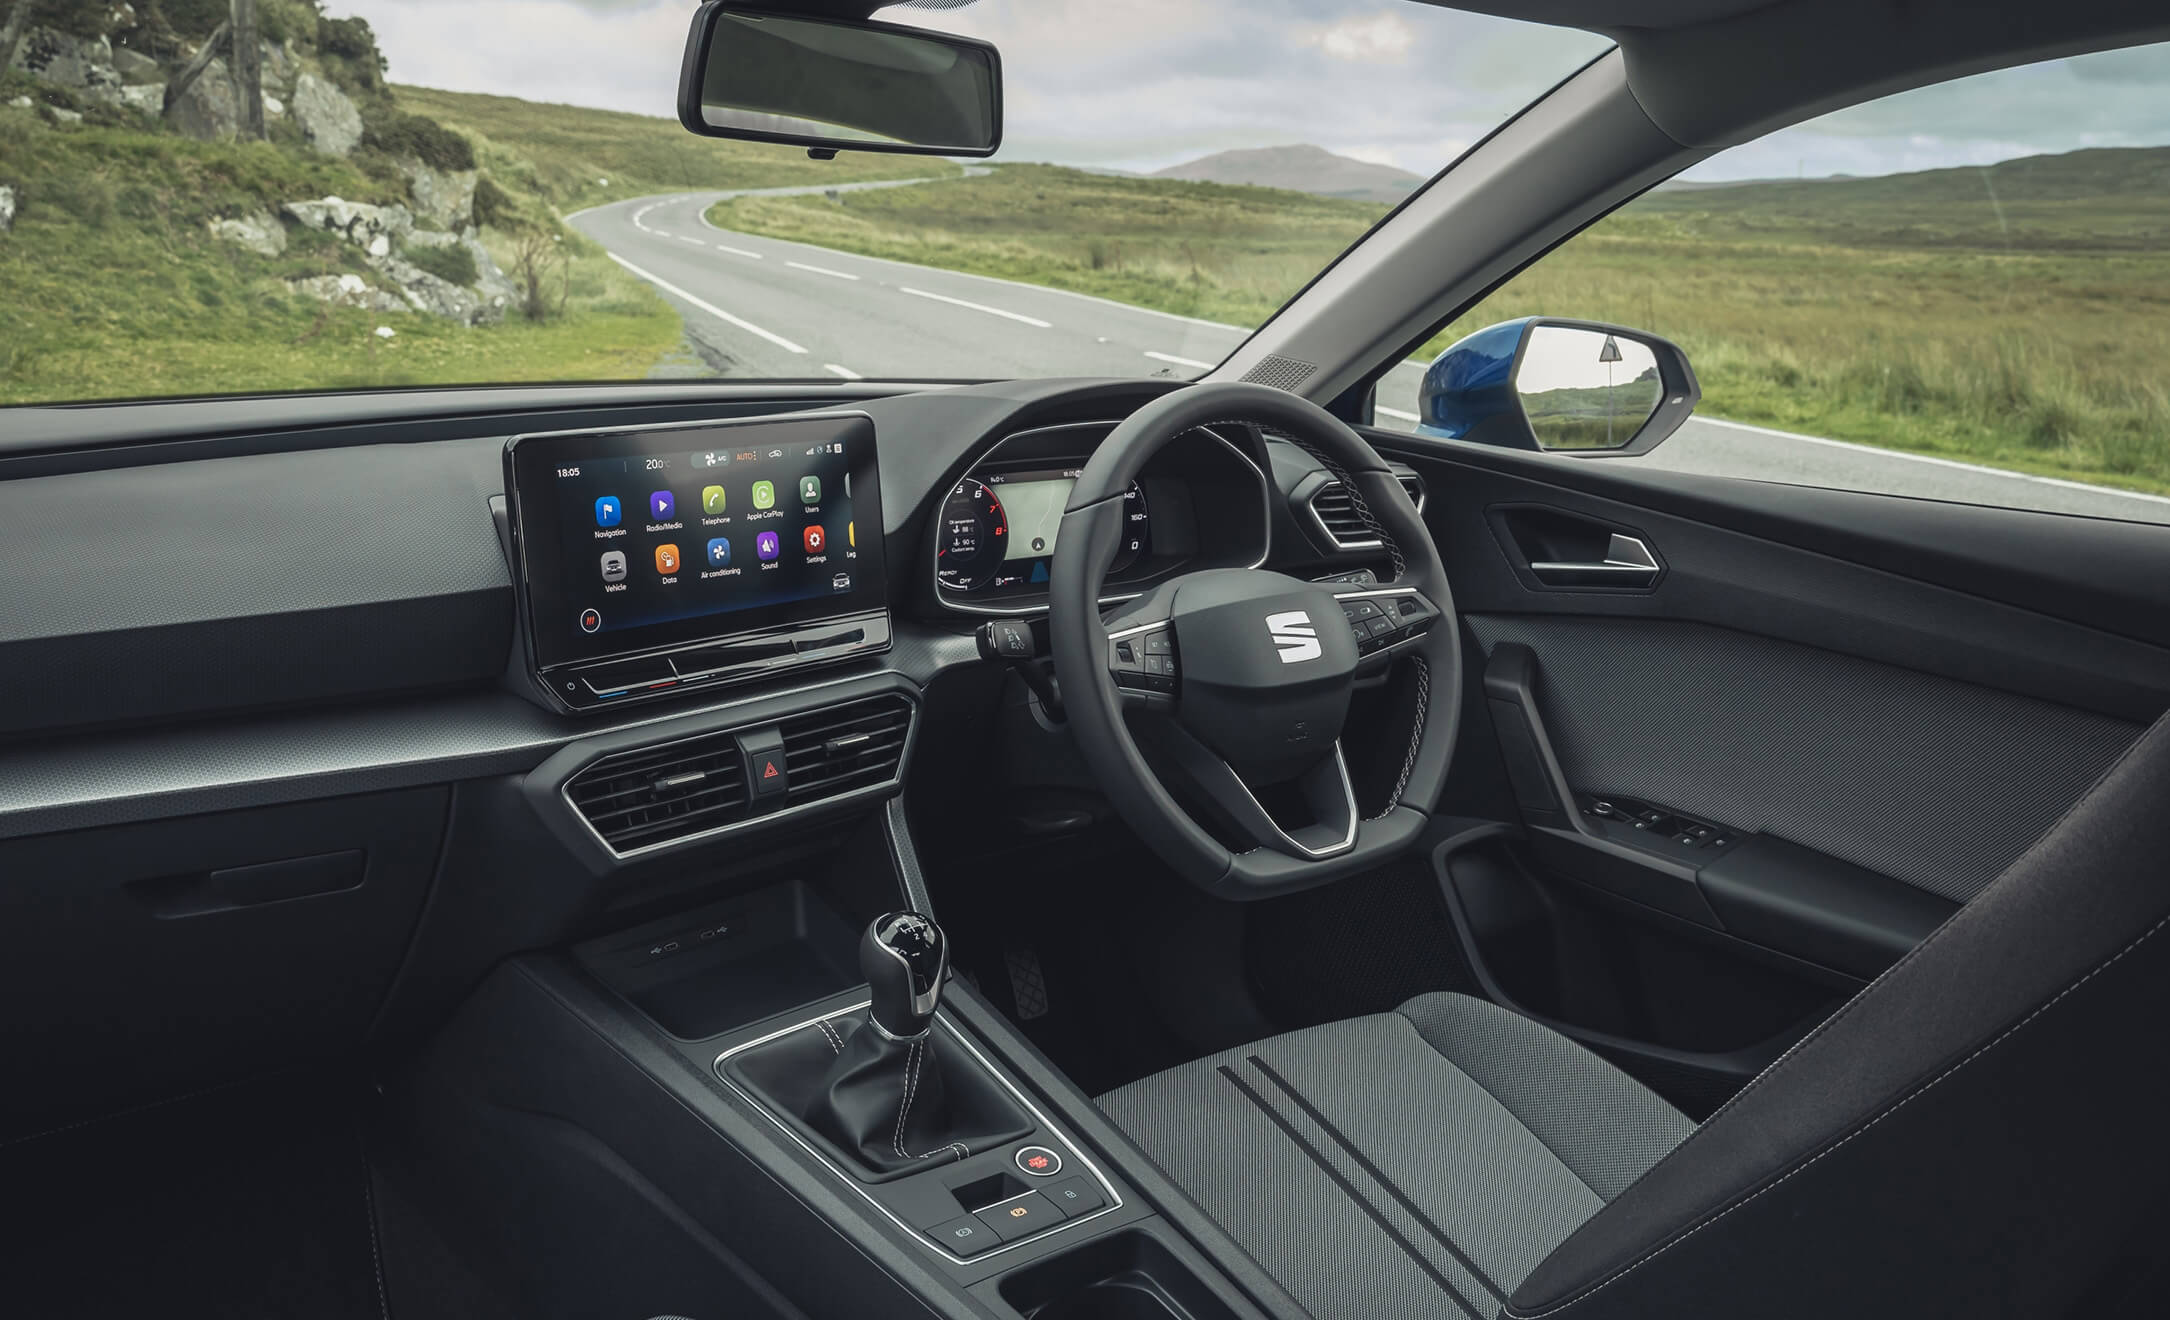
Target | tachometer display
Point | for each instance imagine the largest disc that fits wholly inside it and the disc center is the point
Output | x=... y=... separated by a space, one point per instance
x=973 y=537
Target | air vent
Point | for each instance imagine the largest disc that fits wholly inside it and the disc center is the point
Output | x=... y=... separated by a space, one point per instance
x=637 y=799
x=859 y=744
x=1280 y=373
x=1344 y=526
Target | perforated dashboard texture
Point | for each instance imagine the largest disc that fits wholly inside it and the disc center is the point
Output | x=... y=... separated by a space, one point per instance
x=1937 y=783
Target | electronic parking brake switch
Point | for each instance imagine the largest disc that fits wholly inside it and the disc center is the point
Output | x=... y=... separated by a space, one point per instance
x=762 y=752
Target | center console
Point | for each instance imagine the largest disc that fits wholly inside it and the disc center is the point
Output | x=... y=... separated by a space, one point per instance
x=801 y=1111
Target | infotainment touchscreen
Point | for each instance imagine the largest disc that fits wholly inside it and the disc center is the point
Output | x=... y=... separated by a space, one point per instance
x=636 y=539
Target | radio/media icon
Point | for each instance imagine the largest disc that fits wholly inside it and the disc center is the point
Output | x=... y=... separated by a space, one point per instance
x=661 y=505
x=768 y=545
x=614 y=566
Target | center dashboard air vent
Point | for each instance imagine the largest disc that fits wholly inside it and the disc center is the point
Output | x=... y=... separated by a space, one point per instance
x=644 y=798
x=1343 y=525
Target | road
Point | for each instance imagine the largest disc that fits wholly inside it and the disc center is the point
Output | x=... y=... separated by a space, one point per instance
x=756 y=306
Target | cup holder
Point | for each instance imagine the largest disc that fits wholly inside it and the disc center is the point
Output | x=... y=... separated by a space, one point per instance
x=1130 y=1275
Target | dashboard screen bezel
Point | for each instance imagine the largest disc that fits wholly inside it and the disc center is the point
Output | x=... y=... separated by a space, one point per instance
x=531 y=462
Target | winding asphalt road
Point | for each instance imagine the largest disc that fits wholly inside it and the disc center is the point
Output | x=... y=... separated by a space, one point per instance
x=757 y=306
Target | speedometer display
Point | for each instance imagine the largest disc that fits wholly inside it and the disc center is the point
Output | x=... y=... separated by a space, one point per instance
x=973 y=536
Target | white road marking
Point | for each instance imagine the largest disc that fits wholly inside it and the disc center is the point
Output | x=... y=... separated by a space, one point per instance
x=846 y=372
x=1179 y=361
x=981 y=307
x=683 y=239
x=709 y=307
x=736 y=252
x=1395 y=413
x=1926 y=458
x=822 y=270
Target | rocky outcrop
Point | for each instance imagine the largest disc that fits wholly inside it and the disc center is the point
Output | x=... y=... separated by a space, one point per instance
x=376 y=230
x=438 y=297
x=329 y=122
x=84 y=64
x=206 y=110
x=445 y=198
x=349 y=290
x=258 y=231
x=7 y=207
x=135 y=67
x=278 y=67
x=145 y=98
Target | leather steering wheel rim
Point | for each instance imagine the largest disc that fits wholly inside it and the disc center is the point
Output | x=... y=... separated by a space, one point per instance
x=1085 y=546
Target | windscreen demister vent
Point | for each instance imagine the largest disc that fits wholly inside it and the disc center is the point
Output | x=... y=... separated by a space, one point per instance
x=1344 y=526
x=657 y=794
x=859 y=744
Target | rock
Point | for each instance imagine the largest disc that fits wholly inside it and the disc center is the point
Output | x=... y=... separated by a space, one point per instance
x=80 y=62
x=349 y=290
x=491 y=282
x=206 y=110
x=374 y=229
x=148 y=98
x=438 y=297
x=258 y=231
x=7 y=207
x=134 y=65
x=277 y=67
x=23 y=103
x=329 y=122
x=61 y=116
x=444 y=197
x=273 y=106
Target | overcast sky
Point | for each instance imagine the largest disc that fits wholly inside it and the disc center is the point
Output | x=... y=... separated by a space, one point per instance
x=1139 y=84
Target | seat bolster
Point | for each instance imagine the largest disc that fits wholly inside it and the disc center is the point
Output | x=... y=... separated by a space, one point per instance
x=1602 y=1124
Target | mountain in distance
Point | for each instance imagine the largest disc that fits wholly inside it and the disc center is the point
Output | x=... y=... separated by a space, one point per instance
x=1301 y=168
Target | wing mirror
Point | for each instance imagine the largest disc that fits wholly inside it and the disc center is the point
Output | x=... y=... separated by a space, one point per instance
x=831 y=84
x=1577 y=387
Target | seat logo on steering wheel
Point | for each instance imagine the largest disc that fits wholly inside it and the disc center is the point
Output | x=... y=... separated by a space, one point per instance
x=1295 y=635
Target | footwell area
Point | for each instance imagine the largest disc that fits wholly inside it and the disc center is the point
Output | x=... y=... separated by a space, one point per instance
x=271 y=1199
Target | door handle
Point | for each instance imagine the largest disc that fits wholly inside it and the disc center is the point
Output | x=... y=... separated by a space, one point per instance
x=1627 y=563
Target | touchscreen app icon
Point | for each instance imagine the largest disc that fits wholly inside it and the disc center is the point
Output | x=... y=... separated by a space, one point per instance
x=816 y=541
x=719 y=552
x=768 y=545
x=661 y=506
x=666 y=559
x=608 y=512
x=764 y=494
x=614 y=566
x=711 y=500
x=810 y=490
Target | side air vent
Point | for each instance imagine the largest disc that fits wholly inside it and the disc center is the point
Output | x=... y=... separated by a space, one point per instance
x=1280 y=373
x=1337 y=517
x=656 y=794
x=856 y=745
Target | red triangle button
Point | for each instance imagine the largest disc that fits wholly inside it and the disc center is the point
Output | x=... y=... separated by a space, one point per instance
x=768 y=770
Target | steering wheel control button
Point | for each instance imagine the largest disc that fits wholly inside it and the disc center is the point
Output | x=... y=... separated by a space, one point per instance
x=1020 y=1216
x=1039 y=1161
x=1159 y=643
x=1076 y=1195
x=762 y=751
x=964 y=1235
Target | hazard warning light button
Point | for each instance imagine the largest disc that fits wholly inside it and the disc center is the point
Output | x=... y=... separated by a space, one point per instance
x=763 y=753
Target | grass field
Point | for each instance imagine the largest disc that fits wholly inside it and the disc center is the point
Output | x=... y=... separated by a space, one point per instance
x=115 y=288
x=2012 y=316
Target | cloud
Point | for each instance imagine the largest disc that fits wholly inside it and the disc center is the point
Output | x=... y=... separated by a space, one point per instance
x=1381 y=38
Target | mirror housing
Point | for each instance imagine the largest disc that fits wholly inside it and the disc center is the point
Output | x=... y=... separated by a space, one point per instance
x=1558 y=386
x=834 y=85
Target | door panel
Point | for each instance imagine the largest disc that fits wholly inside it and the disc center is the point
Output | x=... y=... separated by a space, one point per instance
x=1873 y=704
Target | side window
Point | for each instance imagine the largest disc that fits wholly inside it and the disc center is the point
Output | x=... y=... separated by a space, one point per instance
x=1960 y=292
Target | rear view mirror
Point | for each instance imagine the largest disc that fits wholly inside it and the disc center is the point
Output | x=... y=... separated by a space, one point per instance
x=828 y=85
x=1570 y=386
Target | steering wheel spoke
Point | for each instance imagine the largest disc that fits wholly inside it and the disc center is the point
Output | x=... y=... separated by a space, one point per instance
x=1324 y=787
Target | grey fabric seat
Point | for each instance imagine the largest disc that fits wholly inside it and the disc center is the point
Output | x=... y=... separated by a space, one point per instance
x=1414 y=1163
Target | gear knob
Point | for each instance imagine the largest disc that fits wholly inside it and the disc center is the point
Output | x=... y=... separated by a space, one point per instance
x=903 y=956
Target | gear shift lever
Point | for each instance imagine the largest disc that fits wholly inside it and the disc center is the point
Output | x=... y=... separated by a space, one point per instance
x=903 y=956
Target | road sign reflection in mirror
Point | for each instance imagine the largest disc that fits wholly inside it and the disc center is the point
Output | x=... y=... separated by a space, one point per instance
x=1569 y=386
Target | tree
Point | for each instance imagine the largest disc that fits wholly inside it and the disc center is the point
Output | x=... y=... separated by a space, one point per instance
x=248 y=71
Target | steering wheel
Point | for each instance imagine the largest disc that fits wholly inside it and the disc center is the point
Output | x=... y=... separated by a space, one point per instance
x=1241 y=678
